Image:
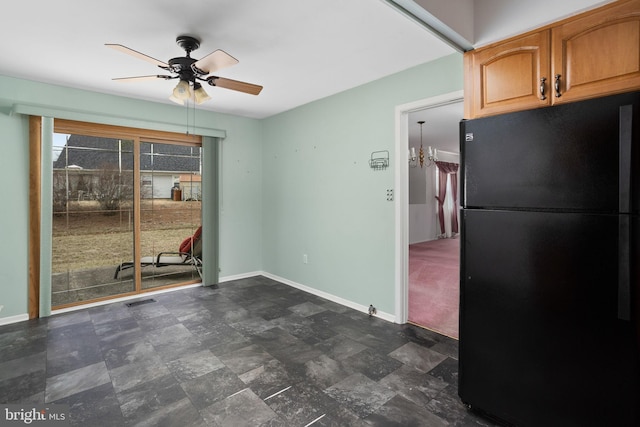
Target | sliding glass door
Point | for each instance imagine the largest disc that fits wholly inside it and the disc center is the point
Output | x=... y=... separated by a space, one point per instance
x=93 y=217
x=125 y=212
x=170 y=213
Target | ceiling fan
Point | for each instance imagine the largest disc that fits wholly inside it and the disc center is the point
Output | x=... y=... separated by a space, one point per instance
x=191 y=71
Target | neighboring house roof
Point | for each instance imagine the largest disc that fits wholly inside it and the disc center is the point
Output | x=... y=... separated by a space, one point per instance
x=90 y=152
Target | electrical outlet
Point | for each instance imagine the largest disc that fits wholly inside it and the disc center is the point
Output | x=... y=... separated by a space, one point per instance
x=390 y=195
x=305 y=259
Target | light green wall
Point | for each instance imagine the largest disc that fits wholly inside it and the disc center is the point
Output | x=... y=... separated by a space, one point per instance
x=296 y=183
x=240 y=181
x=14 y=215
x=240 y=205
x=321 y=198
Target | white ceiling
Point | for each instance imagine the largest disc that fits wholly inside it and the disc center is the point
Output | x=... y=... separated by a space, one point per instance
x=440 y=129
x=498 y=19
x=299 y=50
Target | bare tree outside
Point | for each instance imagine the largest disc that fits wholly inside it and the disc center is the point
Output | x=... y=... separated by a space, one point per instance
x=60 y=193
x=113 y=187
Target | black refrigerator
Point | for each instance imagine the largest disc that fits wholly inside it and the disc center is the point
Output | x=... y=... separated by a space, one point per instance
x=550 y=264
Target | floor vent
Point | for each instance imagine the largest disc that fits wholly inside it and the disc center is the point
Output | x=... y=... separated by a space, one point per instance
x=137 y=303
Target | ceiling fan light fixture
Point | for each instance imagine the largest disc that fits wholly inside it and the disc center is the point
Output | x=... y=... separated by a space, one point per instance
x=176 y=100
x=200 y=94
x=182 y=90
x=188 y=70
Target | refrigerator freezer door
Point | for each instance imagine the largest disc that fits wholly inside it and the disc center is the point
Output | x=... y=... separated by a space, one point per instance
x=564 y=158
x=540 y=338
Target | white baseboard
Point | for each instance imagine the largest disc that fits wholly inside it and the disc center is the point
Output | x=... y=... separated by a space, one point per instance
x=239 y=276
x=359 y=307
x=14 y=319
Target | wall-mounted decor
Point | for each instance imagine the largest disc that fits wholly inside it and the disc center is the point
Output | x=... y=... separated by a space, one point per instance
x=379 y=160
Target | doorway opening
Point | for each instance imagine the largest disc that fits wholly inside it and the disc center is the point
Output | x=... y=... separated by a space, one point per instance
x=427 y=256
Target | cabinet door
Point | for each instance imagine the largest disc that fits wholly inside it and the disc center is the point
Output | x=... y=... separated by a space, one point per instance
x=597 y=54
x=507 y=77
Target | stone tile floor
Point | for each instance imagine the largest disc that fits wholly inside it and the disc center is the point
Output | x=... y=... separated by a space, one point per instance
x=253 y=352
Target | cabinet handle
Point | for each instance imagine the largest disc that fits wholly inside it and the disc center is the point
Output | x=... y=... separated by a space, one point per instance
x=557 y=86
x=542 y=89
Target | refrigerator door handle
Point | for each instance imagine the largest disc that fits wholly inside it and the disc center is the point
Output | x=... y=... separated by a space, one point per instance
x=624 y=203
x=624 y=268
x=624 y=179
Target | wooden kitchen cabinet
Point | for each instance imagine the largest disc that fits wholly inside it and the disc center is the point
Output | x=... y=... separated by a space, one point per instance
x=598 y=54
x=506 y=76
x=593 y=54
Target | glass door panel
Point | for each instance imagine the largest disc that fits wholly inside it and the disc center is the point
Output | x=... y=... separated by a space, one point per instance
x=170 y=181
x=93 y=223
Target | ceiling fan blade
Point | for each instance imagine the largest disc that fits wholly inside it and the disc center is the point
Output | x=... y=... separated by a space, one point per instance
x=139 y=78
x=234 y=85
x=137 y=54
x=215 y=61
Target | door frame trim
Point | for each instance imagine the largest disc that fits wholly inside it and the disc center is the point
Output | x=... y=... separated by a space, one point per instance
x=35 y=208
x=401 y=185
